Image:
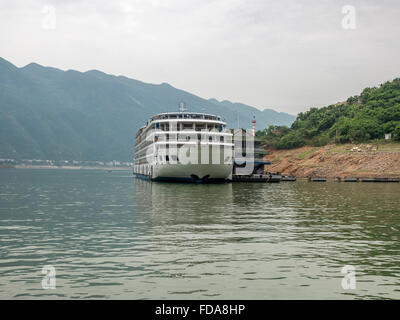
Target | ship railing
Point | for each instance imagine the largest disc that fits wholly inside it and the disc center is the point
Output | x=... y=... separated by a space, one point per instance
x=151 y=133
x=208 y=131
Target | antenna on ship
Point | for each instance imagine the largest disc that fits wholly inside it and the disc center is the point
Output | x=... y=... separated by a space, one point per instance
x=182 y=106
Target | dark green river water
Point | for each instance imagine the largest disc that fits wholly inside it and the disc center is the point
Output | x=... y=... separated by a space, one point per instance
x=109 y=235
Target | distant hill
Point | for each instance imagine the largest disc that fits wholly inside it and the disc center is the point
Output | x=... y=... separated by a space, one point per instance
x=47 y=113
x=246 y=113
x=371 y=115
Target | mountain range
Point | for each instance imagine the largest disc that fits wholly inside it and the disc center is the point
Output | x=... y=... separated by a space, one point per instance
x=48 y=113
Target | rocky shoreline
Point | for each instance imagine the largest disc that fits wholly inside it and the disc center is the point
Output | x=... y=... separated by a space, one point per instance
x=338 y=161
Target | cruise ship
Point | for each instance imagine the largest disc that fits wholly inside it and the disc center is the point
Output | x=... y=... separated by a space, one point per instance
x=184 y=146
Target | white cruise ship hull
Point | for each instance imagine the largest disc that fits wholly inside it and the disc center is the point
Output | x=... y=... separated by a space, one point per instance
x=192 y=172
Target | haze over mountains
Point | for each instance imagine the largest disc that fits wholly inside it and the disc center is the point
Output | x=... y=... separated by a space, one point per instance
x=47 y=113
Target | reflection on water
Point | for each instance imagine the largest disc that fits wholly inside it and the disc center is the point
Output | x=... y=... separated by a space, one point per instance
x=112 y=236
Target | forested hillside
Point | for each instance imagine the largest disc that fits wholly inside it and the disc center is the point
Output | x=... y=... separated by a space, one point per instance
x=372 y=114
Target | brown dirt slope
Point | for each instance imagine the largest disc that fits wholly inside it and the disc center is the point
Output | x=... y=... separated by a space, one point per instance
x=349 y=160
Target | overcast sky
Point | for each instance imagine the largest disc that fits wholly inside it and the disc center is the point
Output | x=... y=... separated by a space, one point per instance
x=288 y=54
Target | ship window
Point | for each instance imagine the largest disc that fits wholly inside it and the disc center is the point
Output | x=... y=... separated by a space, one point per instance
x=221 y=139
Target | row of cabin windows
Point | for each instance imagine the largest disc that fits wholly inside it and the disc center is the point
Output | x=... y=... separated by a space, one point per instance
x=188 y=138
x=166 y=158
x=186 y=116
x=187 y=126
x=183 y=126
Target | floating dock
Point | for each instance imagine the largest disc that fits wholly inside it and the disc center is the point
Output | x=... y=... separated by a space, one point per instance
x=379 y=180
x=338 y=179
x=288 y=178
x=350 y=180
x=250 y=178
x=367 y=179
x=320 y=179
x=274 y=177
x=270 y=178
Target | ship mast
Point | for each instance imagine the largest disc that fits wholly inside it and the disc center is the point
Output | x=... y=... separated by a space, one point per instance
x=182 y=106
